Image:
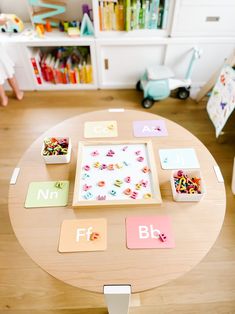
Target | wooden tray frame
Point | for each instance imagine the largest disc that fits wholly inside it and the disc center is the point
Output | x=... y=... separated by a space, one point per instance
x=156 y=195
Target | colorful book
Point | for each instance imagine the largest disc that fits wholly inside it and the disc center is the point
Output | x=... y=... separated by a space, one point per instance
x=153 y=20
x=88 y=74
x=76 y=72
x=121 y=16
x=165 y=13
x=128 y=15
x=138 y=5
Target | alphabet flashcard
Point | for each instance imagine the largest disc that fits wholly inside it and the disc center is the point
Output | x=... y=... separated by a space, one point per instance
x=96 y=129
x=83 y=235
x=149 y=128
x=178 y=158
x=149 y=232
x=46 y=194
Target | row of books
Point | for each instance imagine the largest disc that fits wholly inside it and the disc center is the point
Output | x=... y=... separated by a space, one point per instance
x=64 y=71
x=120 y=15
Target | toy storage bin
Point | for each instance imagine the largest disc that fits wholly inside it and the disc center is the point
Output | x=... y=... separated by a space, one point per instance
x=57 y=159
x=184 y=197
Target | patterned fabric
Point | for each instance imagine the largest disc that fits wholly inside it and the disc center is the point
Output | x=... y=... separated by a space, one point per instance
x=222 y=100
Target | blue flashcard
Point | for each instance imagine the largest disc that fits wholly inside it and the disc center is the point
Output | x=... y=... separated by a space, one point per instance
x=178 y=158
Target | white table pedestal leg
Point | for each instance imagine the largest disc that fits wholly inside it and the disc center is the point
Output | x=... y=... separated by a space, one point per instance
x=117 y=298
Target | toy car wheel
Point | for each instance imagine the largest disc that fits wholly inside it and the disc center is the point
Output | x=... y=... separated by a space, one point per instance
x=15 y=30
x=147 y=103
x=138 y=86
x=183 y=93
x=3 y=30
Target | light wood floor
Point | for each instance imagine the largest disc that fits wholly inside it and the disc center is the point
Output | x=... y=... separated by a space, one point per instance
x=25 y=288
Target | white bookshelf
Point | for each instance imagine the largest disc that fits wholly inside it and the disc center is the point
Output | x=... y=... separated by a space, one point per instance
x=119 y=58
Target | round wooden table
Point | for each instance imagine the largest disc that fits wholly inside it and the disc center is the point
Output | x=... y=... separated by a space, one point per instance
x=195 y=225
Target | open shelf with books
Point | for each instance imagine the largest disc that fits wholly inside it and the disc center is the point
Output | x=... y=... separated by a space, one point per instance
x=131 y=18
x=63 y=67
x=123 y=38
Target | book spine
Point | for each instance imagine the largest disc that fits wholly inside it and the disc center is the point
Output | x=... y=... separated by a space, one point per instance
x=128 y=15
x=147 y=12
x=77 y=78
x=117 y=17
x=165 y=14
x=89 y=74
x=101 y=15
x=121 y=16
x=138 y=5
x=133 y=15
x=154 y=7
x=142 y=25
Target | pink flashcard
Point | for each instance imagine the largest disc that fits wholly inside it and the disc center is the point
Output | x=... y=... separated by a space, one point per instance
x=149 y=232
x=149 y=128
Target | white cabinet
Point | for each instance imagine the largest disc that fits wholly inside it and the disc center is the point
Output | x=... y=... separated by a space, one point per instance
x=213 y=18
x=25 y=46
x=121 y=63
x=213 y=55
x=119 y=57
x=123 y=56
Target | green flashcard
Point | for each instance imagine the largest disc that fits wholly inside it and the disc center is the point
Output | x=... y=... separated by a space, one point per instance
x=45 y=194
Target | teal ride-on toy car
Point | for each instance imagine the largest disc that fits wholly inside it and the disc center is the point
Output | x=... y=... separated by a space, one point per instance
x=158 y=82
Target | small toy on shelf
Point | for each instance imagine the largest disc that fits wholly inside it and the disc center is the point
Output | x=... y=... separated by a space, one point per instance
x=40 y=30
x=73 y=31
x=87 y=10
x=87 y=28
x=13 y=24
x=48 y=26
x=42 y=11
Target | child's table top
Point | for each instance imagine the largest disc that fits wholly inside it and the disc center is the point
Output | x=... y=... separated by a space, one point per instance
x=195 y=225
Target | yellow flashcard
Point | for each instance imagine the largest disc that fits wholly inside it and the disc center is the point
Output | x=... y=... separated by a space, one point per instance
x=100 y=129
